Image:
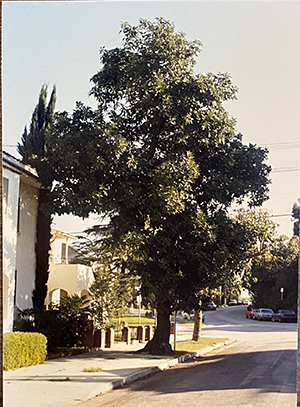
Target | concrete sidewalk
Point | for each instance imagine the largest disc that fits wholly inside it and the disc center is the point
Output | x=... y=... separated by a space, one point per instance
x=62 y=382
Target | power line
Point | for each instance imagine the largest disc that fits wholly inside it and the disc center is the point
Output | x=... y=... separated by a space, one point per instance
x=289 y=194
x=281 y=215
x=281 y=146
x=283 y=143
x=285 y=169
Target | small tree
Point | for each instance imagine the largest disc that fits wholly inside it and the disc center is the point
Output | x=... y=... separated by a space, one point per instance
x=111 y=294
x=113 y=288
x=261 y=234
x=280 y=271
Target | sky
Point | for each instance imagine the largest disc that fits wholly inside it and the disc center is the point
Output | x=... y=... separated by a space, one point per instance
x=257 y=42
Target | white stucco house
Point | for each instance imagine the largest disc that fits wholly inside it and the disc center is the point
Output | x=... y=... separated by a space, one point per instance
x=20 y=203
x=66 y=277
x=20 y=209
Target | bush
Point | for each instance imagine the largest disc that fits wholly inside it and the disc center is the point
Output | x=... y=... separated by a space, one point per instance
x=73 y=319
x=64 y=324
x=23 y=349
x=42 y=321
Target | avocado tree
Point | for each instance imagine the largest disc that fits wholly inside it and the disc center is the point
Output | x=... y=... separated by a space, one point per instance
x=160 y=158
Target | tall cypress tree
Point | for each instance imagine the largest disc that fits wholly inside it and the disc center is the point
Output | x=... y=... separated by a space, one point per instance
x=295 y=218
x=33 y=149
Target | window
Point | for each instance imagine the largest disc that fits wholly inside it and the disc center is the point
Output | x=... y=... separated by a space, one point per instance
x=19 y=212
x=63 y=252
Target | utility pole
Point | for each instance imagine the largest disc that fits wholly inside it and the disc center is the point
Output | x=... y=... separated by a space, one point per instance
x=139 y=301
x=175 y=339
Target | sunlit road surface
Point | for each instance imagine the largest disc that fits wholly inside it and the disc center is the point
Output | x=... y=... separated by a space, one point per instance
x=258 y=370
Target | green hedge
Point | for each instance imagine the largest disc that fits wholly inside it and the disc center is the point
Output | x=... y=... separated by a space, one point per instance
x=23 y=349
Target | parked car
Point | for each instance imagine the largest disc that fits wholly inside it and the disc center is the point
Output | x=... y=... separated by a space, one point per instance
x=185 y=315
x=250 y=312
x=210 y=306
x=284 y=315
x=263 y=314
x=232 y=303
x=190 y=316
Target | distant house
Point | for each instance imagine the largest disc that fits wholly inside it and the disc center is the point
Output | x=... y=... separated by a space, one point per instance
x=20 y=203
x=66 y=277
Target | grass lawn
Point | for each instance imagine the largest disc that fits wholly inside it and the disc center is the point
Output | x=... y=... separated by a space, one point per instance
x=180 y=320
x=191 y=346
x=134 y=320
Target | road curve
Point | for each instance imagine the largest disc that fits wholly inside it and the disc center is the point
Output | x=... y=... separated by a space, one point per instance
x=258 y=370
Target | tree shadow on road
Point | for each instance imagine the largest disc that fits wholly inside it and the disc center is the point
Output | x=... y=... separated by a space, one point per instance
x=269 y=371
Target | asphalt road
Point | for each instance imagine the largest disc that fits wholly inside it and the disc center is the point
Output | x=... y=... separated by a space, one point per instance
x=258 y=370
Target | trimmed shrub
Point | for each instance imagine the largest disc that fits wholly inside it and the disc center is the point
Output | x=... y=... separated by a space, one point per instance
x=23 y=349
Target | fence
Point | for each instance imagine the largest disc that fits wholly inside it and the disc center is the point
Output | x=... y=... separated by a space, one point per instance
x=105 y=338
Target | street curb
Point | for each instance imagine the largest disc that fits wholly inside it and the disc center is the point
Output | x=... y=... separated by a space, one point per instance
x=155 y=369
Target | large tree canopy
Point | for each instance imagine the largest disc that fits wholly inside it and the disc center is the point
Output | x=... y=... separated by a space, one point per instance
x=160 y=157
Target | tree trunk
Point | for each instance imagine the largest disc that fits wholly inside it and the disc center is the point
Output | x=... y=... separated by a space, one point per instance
x=160 y=343
x=197 y=325
x=42 y=249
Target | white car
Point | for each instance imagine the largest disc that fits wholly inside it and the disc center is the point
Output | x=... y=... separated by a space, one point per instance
x=263 y=314
x=210 y=306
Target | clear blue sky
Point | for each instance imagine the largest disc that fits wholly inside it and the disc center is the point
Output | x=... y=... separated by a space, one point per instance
x=258 y=43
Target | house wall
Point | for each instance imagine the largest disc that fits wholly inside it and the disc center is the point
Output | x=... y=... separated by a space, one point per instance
x=85 y=278
x=69 y=278
x=10 y=219
x=26 y=241
x=65 y=278
x=20 y=201
x=56 y=251
x=57 y=255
